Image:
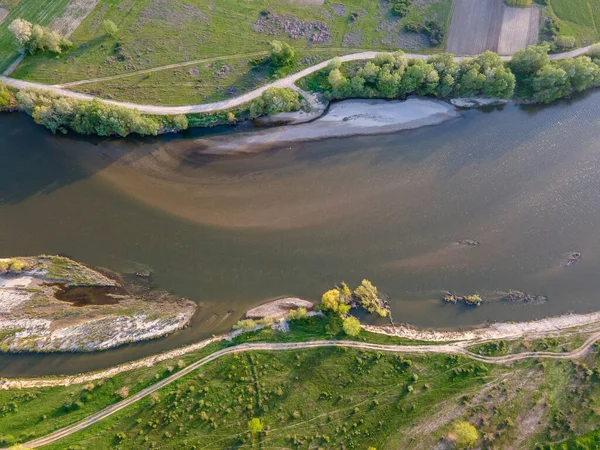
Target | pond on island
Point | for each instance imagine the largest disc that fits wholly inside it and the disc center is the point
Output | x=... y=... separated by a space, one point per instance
x=490 y=202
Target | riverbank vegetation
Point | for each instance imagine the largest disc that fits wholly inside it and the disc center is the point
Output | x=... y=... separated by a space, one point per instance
x=61 y=114
x=530 y=76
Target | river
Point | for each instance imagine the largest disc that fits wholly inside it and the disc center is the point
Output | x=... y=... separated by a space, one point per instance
x=230 y=232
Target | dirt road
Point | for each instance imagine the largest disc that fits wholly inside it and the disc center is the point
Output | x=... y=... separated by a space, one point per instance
x=448 y=349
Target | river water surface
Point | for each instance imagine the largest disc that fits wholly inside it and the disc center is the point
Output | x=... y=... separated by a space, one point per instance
x=231 y=232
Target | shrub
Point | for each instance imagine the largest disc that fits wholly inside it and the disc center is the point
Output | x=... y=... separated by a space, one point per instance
x=351 y=326
x=401 y=7
x=297 y=314
x=564 y=42
x=246 y=325
x=466 y=435
x=255 y=426
x=551 y=28
x=282 y=54
x=7 y=101
x=594 y=51
x=519 y=3
x=275 y=100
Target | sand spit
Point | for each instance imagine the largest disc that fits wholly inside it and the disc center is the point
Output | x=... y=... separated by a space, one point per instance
x=346 y=118
x=278 y=309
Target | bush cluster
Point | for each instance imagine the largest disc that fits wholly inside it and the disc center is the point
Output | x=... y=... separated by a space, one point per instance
x=543 y=80
x=519 y=3
x=273 y=101
x=531 y=73
x=431 y=29
x=59 y=113
x=395 y=76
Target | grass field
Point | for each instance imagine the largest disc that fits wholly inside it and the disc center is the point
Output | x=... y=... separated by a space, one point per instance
x=579 y=18
x=198 y=83
x=345 y=398
x=154 y=33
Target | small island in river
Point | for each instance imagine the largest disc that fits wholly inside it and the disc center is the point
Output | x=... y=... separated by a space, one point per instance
x=54 y=304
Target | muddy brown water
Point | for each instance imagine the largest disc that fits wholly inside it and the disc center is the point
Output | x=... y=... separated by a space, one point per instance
x=231 y=232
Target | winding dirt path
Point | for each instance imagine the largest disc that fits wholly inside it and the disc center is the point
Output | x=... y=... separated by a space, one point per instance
x=448 y=349
x=287 y=82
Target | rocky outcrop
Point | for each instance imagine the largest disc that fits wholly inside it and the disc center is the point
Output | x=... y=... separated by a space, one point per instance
x=54 y=304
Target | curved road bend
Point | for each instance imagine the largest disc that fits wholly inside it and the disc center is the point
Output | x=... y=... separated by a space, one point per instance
x=442 y=348
x=287 y=82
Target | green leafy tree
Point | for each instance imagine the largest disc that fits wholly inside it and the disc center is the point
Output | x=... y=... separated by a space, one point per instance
x=420 y=78
x=525 y=64
x=388 y=83
x=466 y=434
x=550 y=83
x=110 y=28
x=447 y=70
x=337 y=81
x=582 y=72
x=282 y=54
x=351 y=326
x=5 y=97
x=562 y=43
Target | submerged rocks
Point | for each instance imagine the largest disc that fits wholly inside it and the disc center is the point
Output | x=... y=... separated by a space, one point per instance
x=468 y=242
x=522 y=297
x=573 y=258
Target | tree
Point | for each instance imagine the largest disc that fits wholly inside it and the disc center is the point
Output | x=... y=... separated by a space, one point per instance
x=550 y=83
x=420 y=78
x=466 y=435
x=525 y=64
x=282 y=54
x=21 y=30
x=582 y=72
x=330 y=301
x=255 y=426
x=181 y=122
x=110 y=28
x=351 y=326
x=337 y=81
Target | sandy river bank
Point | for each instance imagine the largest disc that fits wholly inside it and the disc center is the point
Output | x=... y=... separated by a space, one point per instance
x=346 y=118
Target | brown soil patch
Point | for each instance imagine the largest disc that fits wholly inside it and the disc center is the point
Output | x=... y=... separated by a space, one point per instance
x=72 y=16
x=479 y=25
x=475 y=26
x=3 y=13
x=520 y=28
